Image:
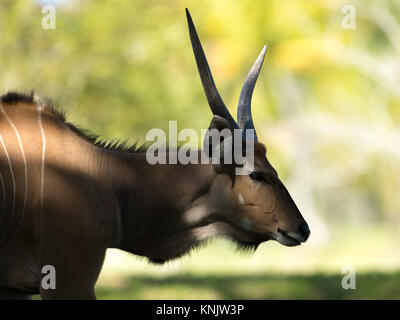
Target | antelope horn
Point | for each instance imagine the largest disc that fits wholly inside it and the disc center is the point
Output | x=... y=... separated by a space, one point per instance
x=244 y=118
x=214 y=99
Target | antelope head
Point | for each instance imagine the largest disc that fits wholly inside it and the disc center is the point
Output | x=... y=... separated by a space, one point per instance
x=255 y=206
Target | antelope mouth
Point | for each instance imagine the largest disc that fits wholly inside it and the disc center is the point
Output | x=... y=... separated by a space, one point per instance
x=289 y=239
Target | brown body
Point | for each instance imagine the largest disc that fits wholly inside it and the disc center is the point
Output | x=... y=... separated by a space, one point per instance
x=65 y=199
x=70 y=232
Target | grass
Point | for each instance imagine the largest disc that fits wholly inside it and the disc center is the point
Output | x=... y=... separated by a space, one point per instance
x=264 y=286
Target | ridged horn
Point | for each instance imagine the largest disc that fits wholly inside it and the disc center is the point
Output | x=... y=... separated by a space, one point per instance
x=214 y=99
x=244 y=118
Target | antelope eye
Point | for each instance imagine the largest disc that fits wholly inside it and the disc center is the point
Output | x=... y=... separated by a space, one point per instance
x=255 y=176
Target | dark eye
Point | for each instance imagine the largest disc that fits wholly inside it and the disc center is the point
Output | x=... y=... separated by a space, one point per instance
x=256 y=176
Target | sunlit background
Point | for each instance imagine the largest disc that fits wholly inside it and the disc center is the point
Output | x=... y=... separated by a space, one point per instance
x=327 y=105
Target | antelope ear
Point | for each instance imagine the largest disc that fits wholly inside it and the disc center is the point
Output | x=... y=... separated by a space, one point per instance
x=218 y=144
x=220 y=124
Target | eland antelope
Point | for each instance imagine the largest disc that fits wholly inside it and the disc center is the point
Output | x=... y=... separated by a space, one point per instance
x=65 y=197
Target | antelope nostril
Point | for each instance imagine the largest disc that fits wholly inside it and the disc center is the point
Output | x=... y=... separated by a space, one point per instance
x=305 y=230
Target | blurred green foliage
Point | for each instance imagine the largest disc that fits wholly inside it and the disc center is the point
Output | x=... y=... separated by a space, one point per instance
x=327 y=103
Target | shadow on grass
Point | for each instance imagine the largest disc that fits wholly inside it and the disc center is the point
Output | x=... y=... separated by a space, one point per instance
x=316 y=286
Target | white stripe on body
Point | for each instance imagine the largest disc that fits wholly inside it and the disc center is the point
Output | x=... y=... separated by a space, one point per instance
x=13 y=180
x=25 y=170
x=39 y=119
